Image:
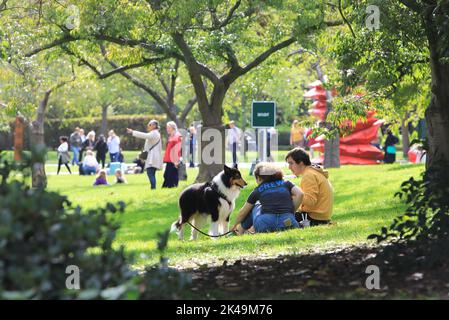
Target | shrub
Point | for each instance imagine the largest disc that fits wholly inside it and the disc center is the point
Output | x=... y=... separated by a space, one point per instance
x=41 y=234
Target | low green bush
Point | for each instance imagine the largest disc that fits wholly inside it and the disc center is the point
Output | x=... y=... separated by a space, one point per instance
x=42 y=235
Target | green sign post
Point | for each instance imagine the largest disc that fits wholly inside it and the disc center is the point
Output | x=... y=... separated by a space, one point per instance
x=263 y=114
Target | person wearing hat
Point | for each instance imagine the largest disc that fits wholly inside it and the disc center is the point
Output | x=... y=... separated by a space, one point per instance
x=271 y=205
x=153 y=146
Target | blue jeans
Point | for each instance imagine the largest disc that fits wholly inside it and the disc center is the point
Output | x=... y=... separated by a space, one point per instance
x=76 y=152
x=151 y=172
x=89 y=170
x=269 y=222
x=113 y=156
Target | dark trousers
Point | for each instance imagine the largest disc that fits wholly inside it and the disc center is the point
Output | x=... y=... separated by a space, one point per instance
x=66 y=165
x=171 y=177
x=313 y=222
x=191 y=151
x=234 y=152
x=101 y=158
x=151 y=173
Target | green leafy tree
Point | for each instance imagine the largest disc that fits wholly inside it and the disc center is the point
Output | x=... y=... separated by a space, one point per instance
x=409 y=46
x=218 y=41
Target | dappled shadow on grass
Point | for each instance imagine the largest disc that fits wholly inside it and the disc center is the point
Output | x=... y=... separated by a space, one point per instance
x=397 y=167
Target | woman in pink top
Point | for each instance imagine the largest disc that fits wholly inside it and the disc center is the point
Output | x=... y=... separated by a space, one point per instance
x=172 y=156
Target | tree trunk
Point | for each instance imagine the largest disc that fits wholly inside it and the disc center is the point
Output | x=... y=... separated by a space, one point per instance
x=104 y=120
x=39 y=177
x=331 y=146
x=405 y=136
x=437 y=114
x=207 y=170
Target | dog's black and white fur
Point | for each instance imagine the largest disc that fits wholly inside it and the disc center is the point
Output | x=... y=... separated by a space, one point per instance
x=214 y=200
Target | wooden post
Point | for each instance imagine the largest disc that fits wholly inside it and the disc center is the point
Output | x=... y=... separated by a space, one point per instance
x=18 y=138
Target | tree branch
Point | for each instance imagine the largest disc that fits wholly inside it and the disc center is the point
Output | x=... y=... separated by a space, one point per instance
x=340 y=9
x=155 y=95
x=189 y=105
x=413 y=5
x=216 y=23
x=195 y=70
x=232 y=75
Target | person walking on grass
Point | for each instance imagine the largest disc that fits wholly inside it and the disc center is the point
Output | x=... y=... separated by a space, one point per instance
x=153 y=146
x=172 y=156
x=316 y=205
x=75 y=145
x=113 y=146
x=63 y=154
x=271 y=205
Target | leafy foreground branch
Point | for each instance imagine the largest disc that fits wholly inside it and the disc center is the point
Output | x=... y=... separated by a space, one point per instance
x=41 y=234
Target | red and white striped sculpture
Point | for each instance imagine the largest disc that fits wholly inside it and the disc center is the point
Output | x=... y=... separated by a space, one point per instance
x=355 y=148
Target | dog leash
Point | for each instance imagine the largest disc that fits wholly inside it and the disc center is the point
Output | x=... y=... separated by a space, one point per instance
x=221 y=235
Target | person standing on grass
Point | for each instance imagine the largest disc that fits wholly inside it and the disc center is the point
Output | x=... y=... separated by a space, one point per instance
x=172 y=156
x=75 y=145
x=102 y=148
x=271 y=205
x=389 y=147
x=88 y=144
x=113 y=146
x=153 y=145
x=317 y=203
x=234 y=136
x=192 y=143
x=82 y=136
x=296 y=135
x=63 y=154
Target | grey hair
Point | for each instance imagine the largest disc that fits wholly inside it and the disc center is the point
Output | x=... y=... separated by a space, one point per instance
x=173 y=125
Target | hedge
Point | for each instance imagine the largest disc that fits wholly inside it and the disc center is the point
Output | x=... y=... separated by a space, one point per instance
x=64 y=127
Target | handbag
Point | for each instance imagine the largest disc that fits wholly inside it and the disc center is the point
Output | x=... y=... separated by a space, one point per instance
x=144 y=154
x=65 y=157
x=182 y=171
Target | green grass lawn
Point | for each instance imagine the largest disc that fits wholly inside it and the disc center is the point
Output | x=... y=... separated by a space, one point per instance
x=364 y=202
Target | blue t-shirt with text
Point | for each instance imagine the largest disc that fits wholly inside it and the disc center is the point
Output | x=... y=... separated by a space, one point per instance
x=275 y=197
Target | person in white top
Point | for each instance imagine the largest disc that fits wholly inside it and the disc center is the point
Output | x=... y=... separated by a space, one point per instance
x=113 y=146
x=234 y=134
x=63 y=154
x=90 y=164
x=153 y=145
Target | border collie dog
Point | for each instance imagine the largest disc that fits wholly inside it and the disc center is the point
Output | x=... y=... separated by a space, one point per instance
x=215 y=199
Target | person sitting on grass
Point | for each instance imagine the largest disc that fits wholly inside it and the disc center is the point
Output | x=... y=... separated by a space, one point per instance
x=90 y=164
x=271 y=205
x=316 y=205
x=101 y=178
x=119 y=177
